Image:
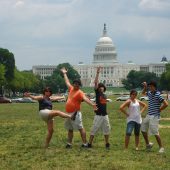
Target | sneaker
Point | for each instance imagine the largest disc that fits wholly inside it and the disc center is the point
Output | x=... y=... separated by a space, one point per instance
x=89 y=145
x=107 y=145
x=84 y=145
x=161 y=150
x=149 y=146
x=68 y=146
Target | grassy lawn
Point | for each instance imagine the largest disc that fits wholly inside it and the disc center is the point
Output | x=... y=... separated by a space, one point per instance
x=22 y=135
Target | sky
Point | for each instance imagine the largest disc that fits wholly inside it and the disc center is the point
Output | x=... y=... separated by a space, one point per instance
x=42 y=32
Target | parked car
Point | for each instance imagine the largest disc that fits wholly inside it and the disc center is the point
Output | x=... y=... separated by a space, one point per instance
x=94 y=99
x=5 y=100
x=144 y=98
x=122 y=98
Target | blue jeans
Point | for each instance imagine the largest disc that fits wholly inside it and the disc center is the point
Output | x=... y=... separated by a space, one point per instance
x=133 y=125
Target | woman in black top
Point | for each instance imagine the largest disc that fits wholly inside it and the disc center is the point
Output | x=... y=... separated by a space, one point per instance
x=46 y=112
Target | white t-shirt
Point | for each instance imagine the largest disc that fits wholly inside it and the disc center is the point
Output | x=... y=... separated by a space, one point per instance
x=134 y=112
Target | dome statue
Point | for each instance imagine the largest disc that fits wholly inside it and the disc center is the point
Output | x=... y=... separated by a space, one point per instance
x=105 y=51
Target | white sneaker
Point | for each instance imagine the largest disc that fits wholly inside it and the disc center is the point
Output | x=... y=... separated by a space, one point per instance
x=136 y=148
x=161 y=150
x=149 y=146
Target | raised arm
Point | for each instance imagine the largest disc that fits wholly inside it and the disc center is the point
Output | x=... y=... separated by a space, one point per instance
x=123 y=106
x=96 y=80
x=144 y=88
x=26 y=94
x=88 y=101
x=64 y=71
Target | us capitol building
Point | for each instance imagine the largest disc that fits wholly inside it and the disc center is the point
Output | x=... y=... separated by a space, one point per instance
x=112 y=72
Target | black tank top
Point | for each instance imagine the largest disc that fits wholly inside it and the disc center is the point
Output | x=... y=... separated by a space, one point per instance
x=45 y=104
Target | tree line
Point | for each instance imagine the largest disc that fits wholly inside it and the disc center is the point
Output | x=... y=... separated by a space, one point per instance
x=13 y=80
x=135 y=78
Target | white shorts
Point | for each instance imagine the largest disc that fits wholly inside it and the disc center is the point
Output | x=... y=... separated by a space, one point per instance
x=44 y=114
x=150 y=124
x=101 y=123
x=74 y=124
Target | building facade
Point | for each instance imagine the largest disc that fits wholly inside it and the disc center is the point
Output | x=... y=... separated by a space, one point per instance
x=112 y=72
x=43 y=70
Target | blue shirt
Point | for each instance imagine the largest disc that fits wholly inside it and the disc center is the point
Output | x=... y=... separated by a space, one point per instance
x=155 y=100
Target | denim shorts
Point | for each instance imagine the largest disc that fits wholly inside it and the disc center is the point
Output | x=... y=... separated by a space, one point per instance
x=133 y=125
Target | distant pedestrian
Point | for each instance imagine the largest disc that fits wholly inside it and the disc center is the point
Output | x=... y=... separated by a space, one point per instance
x=46 y=112
x=151 y=122
x=75 y=98
x=134 y=119
x=101 y=119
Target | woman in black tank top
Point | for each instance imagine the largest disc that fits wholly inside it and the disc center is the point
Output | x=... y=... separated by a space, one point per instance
x=46 y=112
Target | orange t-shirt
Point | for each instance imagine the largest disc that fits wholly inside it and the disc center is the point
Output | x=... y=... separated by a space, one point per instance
x=74 y=100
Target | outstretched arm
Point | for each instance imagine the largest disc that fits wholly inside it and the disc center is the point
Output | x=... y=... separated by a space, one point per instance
x=89 y=102
x=96 y=81
x=144 y=88
x=26 y=94
x=54 y=98
x=64 y=71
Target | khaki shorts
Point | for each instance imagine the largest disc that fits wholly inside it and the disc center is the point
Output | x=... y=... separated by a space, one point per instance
x=74 y=124
x=44 y=114
x=101 y=123
x=150 y=124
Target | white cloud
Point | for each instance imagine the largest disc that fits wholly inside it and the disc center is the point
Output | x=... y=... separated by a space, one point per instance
x=19 y=3
x=159 y=5
x=70 y=28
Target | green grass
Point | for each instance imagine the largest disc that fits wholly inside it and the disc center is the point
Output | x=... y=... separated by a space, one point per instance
x=22 y=135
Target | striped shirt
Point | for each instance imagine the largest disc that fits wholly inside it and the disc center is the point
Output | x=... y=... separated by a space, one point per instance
x=155 y=100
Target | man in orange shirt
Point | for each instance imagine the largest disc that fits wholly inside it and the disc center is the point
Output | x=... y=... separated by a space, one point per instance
x=75 y=97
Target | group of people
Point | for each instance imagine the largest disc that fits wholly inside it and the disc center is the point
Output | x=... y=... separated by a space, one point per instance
x=132 y=108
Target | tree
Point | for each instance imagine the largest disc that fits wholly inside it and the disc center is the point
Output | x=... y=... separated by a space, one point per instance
x=2 y=78
x=165 y=79
x=135 y=78
x=7 y=59
x=56 y=81
x=24 y=81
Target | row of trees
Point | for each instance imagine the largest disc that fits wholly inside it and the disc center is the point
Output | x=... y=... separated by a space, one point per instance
x=19 y=81
x=135 y=78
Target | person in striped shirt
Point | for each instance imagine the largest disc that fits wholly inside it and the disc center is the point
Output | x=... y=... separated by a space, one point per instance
x=150 y=123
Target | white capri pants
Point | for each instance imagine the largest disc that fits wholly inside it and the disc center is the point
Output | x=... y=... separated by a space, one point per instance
x=101 y=123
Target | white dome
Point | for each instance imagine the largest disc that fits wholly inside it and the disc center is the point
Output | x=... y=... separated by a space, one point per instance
x=104 y=40
x=105 y=51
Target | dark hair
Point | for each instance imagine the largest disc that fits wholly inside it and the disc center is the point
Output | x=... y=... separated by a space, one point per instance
x=101 y=85
x=133 y=91
x=77 y=81
x=153 y=83
x=47 y=89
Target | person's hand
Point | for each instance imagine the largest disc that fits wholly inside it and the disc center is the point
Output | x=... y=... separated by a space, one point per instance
x=144 y=84
x=95 y=106
x=63 y=70
x=98 y=69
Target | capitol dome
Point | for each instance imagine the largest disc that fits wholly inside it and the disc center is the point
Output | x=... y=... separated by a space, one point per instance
x=105 y=51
